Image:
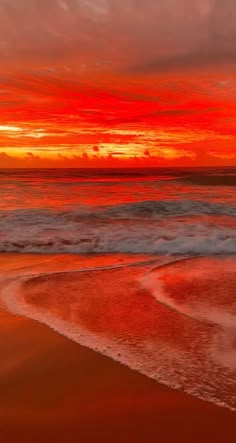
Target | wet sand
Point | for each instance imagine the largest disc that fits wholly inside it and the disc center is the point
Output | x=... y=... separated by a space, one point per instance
x=54 y=390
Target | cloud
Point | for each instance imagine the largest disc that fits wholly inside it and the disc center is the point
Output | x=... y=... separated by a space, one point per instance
x=97 y=10
x=74 y=77
x=145 y=34
x=186 y=61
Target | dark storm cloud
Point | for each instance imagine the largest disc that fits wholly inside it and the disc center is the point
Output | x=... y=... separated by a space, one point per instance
x=194 y=60
x=137 y=35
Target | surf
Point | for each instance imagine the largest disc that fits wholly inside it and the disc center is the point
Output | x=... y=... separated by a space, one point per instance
x=111 y=310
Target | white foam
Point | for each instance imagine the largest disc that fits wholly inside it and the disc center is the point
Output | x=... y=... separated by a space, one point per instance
x=201 y=308
x=167 y=237
x=151 y=227
x=185 y=362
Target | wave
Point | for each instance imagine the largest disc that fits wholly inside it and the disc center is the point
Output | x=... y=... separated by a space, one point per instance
x=141 y=210
x=154 y=209
x=149 y=227
x=85 y=237
x=210 y=179
x=112 y=312
x=125 y=241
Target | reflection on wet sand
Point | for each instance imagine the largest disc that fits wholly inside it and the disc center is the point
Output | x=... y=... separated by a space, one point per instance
x=52 y=389
x=117 y=312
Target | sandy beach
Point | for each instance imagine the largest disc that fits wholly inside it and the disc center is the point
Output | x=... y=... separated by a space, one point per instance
x=118 y=221
x=53 y=389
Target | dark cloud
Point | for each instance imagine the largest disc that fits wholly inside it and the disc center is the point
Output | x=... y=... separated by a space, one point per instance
x=140 y=35
x=189 y=61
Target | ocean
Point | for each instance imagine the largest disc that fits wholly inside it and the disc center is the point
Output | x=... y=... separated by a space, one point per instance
x=139 y=265
x=157 y=211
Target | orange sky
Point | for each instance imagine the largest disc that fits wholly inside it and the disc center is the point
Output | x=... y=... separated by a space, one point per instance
x=117 y=83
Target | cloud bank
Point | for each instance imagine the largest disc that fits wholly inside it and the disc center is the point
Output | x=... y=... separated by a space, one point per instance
x=141 y=35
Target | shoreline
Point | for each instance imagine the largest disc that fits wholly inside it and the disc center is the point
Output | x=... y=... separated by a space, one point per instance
x=53 y=389
x=54 y=386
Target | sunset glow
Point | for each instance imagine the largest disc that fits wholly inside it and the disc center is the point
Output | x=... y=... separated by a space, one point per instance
x=117 y=221
x=103 y=83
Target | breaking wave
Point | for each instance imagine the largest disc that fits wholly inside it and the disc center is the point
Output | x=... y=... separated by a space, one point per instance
x=151 y=227
x=146 y=209
x=123 y=240
x=155 y=209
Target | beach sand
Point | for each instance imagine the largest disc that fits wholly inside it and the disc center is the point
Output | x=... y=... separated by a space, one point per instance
x=54 y=390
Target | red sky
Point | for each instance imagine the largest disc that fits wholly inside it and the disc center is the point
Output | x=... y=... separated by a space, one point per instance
x=117 y=83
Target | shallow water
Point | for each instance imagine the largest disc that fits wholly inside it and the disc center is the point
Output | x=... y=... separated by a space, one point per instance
x=175 y=324
x=136 y=314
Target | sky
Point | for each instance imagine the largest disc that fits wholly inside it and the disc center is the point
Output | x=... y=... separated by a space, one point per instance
x=115 y=83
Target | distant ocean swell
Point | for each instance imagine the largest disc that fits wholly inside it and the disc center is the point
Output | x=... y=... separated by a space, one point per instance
x=150 y=227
